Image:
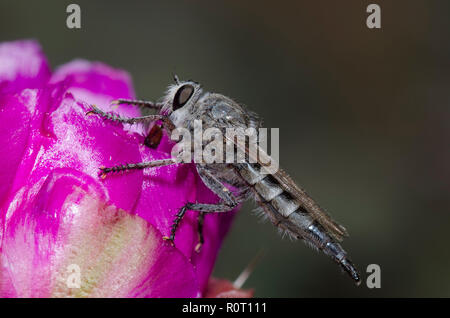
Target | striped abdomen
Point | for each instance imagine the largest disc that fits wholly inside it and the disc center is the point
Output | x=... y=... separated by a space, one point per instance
x=286 y=212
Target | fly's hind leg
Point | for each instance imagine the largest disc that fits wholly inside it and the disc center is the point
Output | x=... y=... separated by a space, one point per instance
x=201 y=239
x=201 y=219
x=228 y=201
x=200 y=207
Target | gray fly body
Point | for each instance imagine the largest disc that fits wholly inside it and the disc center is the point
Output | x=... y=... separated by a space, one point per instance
x=286 y=205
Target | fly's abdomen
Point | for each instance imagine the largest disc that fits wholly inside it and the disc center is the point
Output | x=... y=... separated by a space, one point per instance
x=286 y=213
x=269 y=192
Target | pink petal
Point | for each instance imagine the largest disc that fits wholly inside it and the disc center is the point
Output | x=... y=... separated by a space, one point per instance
x=87 y=143
x=98 y=84
x=22 y=65
x=18 y=117
x=68 y=224
x=67 y=138
x=7 y=289
x=164 y=191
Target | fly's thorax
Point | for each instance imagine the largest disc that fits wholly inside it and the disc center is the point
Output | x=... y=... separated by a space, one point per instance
x=203 y=121
x=222 y=112
x=214 y=111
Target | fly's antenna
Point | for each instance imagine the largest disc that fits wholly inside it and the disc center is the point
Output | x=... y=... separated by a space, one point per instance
x=176 y=79
x=242 y=278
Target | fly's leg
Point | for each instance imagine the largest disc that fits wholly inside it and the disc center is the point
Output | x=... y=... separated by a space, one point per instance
x=201 y=239
x=154 y=137
x=140 y=103
x=201 y=207
x=201 y=219
x=117 y=118
x=131 y=120
x=167 y=124
x=136 y=166
x=227 y=202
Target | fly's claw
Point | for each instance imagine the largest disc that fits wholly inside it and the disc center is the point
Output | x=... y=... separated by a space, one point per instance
x=94 y=111
x=170 y=239
x=103 y=172
x=114 y=104
x=198 y=247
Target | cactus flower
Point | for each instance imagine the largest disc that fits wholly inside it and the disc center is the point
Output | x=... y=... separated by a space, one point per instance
x=66 y=232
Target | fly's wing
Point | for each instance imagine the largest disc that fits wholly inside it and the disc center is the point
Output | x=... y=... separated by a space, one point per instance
x=305 y=201
x=299 y=195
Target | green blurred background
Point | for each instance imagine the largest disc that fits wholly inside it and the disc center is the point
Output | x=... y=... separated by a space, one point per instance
x=364 y=118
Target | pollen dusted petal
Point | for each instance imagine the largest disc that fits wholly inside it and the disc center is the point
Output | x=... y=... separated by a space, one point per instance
x=88 y=143
x=66 y=138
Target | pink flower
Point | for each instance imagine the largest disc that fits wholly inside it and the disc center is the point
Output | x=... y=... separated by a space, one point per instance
x=59 y=219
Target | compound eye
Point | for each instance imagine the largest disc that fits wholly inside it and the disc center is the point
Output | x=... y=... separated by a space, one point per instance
x=183 y=94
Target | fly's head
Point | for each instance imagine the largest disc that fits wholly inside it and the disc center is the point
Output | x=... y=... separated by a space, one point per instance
x=185 y=101
x=180 y=101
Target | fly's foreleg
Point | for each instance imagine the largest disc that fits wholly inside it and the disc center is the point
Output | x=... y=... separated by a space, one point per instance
x=154 y=137
x=140 y=103
x=168 y=125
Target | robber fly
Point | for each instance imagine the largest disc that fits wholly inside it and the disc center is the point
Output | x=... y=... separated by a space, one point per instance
x=287 y=206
